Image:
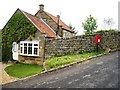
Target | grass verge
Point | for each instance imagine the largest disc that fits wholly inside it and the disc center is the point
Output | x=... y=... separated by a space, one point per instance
x=21 y=70
x=55 y=62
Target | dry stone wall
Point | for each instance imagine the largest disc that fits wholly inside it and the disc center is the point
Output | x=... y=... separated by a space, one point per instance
x=80 y=44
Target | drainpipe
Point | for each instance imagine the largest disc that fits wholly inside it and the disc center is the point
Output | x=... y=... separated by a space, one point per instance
x=43 y=57
x=58 y=16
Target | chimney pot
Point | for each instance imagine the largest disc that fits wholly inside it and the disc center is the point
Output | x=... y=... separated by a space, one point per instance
x=41 y=6
x=58 y=16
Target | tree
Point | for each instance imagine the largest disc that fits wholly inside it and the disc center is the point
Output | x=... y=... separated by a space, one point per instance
x=73 y=29
x=108 y=23
x=90 y=24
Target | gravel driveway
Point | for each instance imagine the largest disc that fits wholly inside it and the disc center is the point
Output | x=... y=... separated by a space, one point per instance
x=4 y=77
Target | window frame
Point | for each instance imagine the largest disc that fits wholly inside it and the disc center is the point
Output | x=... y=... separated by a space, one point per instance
x=65 y=34
x=33 y=47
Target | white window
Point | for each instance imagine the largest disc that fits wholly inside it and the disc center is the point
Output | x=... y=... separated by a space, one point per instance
x=65 y=34
x=29 y=48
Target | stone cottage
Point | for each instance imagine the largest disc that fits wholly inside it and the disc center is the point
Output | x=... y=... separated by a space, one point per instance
x=54 y=22
x=24 y=35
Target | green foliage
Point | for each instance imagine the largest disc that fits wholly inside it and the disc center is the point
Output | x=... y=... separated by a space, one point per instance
x=90 y=24
x=101 y=32
x=18 y=28
x=104 y=31
x=59 y=61
x=23 y=70
x=73 y=29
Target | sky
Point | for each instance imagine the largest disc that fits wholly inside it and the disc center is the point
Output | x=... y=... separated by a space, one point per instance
x=70 y=11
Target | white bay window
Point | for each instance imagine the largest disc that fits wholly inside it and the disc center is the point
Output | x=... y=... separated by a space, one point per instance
x=29 y=48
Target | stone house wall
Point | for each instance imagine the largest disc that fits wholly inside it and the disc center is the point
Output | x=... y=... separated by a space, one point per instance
x=34 y=59
x=80 y=44
x=52 y=23
x=48 y=20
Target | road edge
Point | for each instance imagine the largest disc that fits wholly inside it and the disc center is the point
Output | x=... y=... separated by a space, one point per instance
x=61 y=67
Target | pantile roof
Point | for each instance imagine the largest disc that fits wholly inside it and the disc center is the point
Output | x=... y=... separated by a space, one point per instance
x=61 y=23
x=40 y=25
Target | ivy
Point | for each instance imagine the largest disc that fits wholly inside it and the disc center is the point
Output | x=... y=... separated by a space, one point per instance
x=18 y=28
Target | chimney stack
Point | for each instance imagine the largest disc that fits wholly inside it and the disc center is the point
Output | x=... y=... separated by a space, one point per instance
x=41 y=7
x=60 y=31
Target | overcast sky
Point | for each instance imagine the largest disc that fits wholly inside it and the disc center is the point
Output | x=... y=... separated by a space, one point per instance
x=71 y=11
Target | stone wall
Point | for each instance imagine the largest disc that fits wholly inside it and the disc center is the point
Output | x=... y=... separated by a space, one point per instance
x=34 y=59
x=80 y=44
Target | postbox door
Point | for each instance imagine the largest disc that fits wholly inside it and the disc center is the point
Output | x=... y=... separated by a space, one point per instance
x=98 y=39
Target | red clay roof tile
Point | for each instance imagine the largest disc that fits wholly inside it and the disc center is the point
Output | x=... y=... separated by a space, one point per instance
x=64 y=26
x=40 y=25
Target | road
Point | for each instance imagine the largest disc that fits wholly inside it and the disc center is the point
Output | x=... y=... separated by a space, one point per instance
x=101 y=72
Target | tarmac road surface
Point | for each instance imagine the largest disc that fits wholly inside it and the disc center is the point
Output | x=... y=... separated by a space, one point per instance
x=101 y=72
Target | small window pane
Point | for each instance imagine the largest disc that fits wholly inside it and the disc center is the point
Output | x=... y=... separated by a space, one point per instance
x=25 y=50
x=25 y=44
x=21 y=49
x=35 y=44
x=35 y=51
x=65 y=33
x=30 y=44
x=29 y=50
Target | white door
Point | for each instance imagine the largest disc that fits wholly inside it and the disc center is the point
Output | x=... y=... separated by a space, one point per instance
x=15 y=51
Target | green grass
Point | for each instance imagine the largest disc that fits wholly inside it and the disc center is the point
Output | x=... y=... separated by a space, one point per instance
x=59 y=61
x=23 y=70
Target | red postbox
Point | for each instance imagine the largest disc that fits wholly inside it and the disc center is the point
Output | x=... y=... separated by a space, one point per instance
x=98 y=39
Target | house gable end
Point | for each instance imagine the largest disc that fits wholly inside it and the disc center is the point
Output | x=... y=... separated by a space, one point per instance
x=47 y=19
x=17 y=28
x=52 y=21
x=41 y=25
